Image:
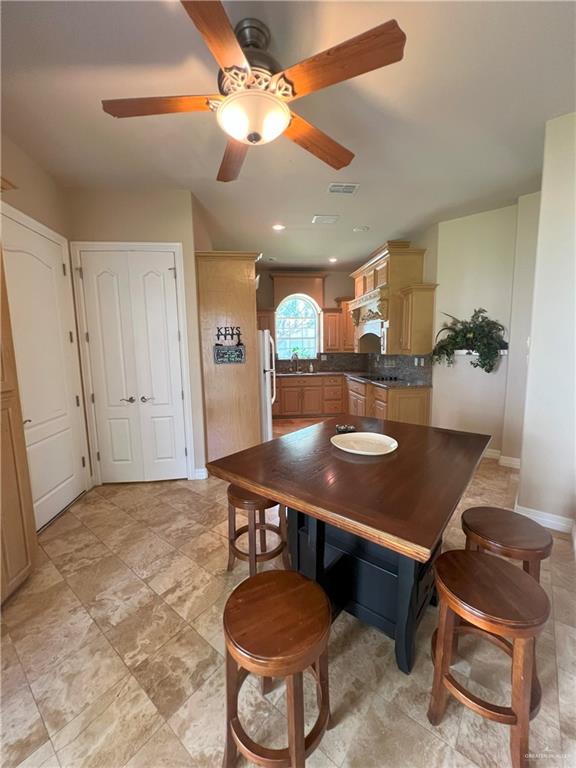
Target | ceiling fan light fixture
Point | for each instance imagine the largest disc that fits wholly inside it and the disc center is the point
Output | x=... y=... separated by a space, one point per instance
x=253 y=117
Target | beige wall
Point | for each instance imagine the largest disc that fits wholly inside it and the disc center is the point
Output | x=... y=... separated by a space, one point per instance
x=156 y=216
x=336 y=284
x=548 y=445
x=522 y=291
x=475 y=265
x=37 y=194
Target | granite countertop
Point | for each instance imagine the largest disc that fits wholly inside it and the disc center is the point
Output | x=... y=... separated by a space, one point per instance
x=387 y=384
x=318 y=373
x=361 y=377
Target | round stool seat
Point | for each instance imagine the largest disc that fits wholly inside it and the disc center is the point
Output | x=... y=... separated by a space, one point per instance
x=507 y=532
x=243 y=499
x=494 y=591
x=277 y=618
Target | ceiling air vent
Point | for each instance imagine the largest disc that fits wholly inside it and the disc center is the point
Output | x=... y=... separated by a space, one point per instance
x=339 y=188
x=325 y=218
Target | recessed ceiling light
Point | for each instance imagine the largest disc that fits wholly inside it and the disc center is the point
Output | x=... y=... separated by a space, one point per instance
x=362 y=228
x=332 y=261
x=278 y=227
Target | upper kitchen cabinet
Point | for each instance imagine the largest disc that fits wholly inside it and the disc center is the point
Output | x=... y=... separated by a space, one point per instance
x=265 y=321
x=347 y=330
x=332 y=330
x=395 y=305
x=417 y=319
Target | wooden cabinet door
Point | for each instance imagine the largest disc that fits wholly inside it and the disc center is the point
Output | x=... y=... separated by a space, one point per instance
x=291 y=401
x=406 y=331
x=380 y=409
x=410 y=405
x=331 y=322
x=18 y=533
x=352 y=409
x=311 y=401
x=360 y=406
x=265 y=320
x=347 y=329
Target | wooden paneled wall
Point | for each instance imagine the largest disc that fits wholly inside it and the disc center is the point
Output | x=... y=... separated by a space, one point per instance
x=227 y=297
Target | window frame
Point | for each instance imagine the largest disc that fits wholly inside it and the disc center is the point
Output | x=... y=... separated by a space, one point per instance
x=318 y=319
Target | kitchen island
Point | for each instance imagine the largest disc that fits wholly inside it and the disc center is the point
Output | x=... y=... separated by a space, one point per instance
x=367 y=528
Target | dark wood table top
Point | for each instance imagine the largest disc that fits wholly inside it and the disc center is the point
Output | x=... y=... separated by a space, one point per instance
x=402 y=500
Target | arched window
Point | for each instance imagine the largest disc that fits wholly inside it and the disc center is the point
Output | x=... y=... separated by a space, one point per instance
x=297 y=327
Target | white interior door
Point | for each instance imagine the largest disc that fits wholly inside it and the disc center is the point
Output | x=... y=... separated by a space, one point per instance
x=43 y=323
x=156 y=336
x=106 y=281
x=132 y=317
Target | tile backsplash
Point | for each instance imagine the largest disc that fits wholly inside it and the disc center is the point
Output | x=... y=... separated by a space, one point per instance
x=402 y=366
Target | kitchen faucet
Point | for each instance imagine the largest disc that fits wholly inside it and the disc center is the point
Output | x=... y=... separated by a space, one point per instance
x=295 y=359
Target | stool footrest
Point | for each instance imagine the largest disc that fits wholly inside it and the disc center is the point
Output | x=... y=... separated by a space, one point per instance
x=494 y=712
x=260 y=556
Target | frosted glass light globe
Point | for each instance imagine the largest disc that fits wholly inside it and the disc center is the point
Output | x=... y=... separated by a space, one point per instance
x=253 y=117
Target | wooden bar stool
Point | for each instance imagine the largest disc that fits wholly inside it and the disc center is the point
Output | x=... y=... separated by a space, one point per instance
x=276 y=624
x=251 y=503
x=497 y=601
x=509 y=534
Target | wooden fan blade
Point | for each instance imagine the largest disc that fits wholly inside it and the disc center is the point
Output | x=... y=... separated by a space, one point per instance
x=211 y=21
x=158 y=105
x=231 y=164
x=318 y=143
x=371 y=50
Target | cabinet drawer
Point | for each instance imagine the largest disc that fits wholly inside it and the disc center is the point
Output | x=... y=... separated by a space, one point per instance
x=333 y=406
x=333 y=393
x=356 y=386
x=301 y=381
x=330 y=381
x=379 y=393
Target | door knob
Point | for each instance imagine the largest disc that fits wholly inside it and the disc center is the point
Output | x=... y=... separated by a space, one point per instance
x=130 y=399
x=144 y=399
x=27 y=421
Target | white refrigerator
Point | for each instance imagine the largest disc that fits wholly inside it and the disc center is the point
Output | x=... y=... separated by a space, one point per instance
x=267 y=352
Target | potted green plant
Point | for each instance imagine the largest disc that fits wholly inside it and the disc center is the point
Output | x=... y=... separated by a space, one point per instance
x=479 y=336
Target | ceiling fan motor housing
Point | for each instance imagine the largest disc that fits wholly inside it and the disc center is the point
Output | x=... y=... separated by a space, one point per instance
x=254 y=38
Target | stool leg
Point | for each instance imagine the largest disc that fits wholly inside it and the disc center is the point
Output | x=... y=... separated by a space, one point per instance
x=231 y=750
x=252 y=541
x=284 y=533
x=295 y=707
x=442 y=658
x=323 y=691
x=262 y=520
x=522 y=667
x=231 y=535
x=533 y=568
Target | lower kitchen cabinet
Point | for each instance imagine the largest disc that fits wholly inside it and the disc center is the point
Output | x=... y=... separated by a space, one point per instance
x=405 y=404
x=318 y=395
x=409 y=405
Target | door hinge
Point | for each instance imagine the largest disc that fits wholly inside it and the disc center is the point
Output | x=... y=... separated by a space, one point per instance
x=78 y=401
x=185 y=451
x=98 y=455
x=179 y=336
x=83 y=461
x=71 y=335
x=182 y=394
x=92 y=398
x=80 y=272
x=87 y=336
x=64 y=269
x=173 y=270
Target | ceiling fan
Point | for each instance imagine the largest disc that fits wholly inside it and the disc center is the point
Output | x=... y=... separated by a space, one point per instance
x=254 y=92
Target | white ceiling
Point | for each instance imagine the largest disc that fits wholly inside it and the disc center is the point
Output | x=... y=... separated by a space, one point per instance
x=454 y=128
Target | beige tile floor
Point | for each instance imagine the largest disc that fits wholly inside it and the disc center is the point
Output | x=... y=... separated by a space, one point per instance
x=112 y=651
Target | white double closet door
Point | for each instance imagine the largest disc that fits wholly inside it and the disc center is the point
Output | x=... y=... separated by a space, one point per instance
x=131 y=313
